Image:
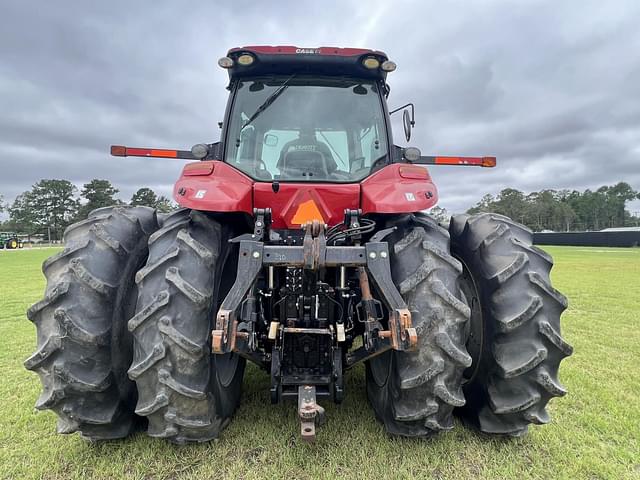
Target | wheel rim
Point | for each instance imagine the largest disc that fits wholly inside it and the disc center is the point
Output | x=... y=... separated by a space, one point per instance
x=475 y=336
x=380 y=367
x=226 y=366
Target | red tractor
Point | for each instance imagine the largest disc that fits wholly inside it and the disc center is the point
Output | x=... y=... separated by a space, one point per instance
x=302 y=246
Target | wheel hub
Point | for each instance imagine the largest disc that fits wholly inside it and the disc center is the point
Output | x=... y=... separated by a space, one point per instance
x=475 y=330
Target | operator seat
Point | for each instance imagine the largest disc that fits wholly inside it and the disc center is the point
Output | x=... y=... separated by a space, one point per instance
x=301 y=164
x=306 y=156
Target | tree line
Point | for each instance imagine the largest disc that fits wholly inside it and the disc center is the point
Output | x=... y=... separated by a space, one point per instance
x=565 y=210
x=51 y=205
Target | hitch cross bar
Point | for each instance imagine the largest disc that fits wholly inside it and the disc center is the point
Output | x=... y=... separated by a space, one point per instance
x=254 y=255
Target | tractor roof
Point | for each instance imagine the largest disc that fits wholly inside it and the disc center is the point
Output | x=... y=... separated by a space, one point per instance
x=254 y=61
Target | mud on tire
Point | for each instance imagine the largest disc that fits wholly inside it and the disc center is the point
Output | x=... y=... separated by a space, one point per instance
x=83 y=348
x=186 y=393
x=414 y=393
x=518 y=343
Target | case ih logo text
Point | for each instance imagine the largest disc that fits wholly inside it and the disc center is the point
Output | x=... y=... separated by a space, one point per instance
x=311 y=51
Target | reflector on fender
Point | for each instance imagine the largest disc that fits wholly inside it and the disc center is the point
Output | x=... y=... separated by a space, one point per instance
x=414 y=172
x=198 y=168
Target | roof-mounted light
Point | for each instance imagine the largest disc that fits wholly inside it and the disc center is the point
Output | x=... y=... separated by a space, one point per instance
x=225 y=62
x=371 y=62
x=388 y=66
x=245 y=59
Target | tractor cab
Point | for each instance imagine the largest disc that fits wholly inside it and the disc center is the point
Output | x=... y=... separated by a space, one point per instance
x=307 y=115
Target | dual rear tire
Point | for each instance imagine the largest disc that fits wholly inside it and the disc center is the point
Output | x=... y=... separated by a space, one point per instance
x=515 y=336
x=124 y=327
x=83 y=350
x=414 y=393
x=186 y=393
x=488 y=323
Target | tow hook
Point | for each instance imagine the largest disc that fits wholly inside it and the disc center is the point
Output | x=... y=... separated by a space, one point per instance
x=310 y=412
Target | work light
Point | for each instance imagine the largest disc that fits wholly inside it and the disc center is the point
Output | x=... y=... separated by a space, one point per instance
x=371 y=63
x=245 y=59
x=225 y=62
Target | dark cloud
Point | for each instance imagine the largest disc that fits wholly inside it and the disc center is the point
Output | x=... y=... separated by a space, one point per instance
x=551 y=88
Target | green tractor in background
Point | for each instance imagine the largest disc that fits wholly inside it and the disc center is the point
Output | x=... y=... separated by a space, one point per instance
x=10 y=241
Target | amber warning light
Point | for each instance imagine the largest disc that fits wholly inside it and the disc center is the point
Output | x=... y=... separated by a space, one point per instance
x=472 y=161
x=122 y=151
x=464 y=161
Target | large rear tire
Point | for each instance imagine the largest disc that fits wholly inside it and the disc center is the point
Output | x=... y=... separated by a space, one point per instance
x=187 y=394
x=515 y=324
x=414 y=393
x=84 y=349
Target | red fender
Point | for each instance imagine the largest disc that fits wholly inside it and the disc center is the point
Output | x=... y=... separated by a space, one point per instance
x=398 y=188
x=214 y=186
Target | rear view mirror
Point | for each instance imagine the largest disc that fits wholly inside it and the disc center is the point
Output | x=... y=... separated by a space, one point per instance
x=406 y=120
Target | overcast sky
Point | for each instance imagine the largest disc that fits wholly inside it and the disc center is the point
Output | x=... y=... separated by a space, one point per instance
x=552 y=88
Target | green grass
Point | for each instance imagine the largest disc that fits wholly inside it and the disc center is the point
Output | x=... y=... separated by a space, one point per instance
x=595 y=432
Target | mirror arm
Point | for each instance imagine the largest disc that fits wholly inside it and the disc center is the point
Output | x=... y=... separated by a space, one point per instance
x=214 y=151
x=413 y=112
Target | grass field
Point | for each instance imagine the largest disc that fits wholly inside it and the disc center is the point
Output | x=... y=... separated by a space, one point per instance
x=595 y=432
